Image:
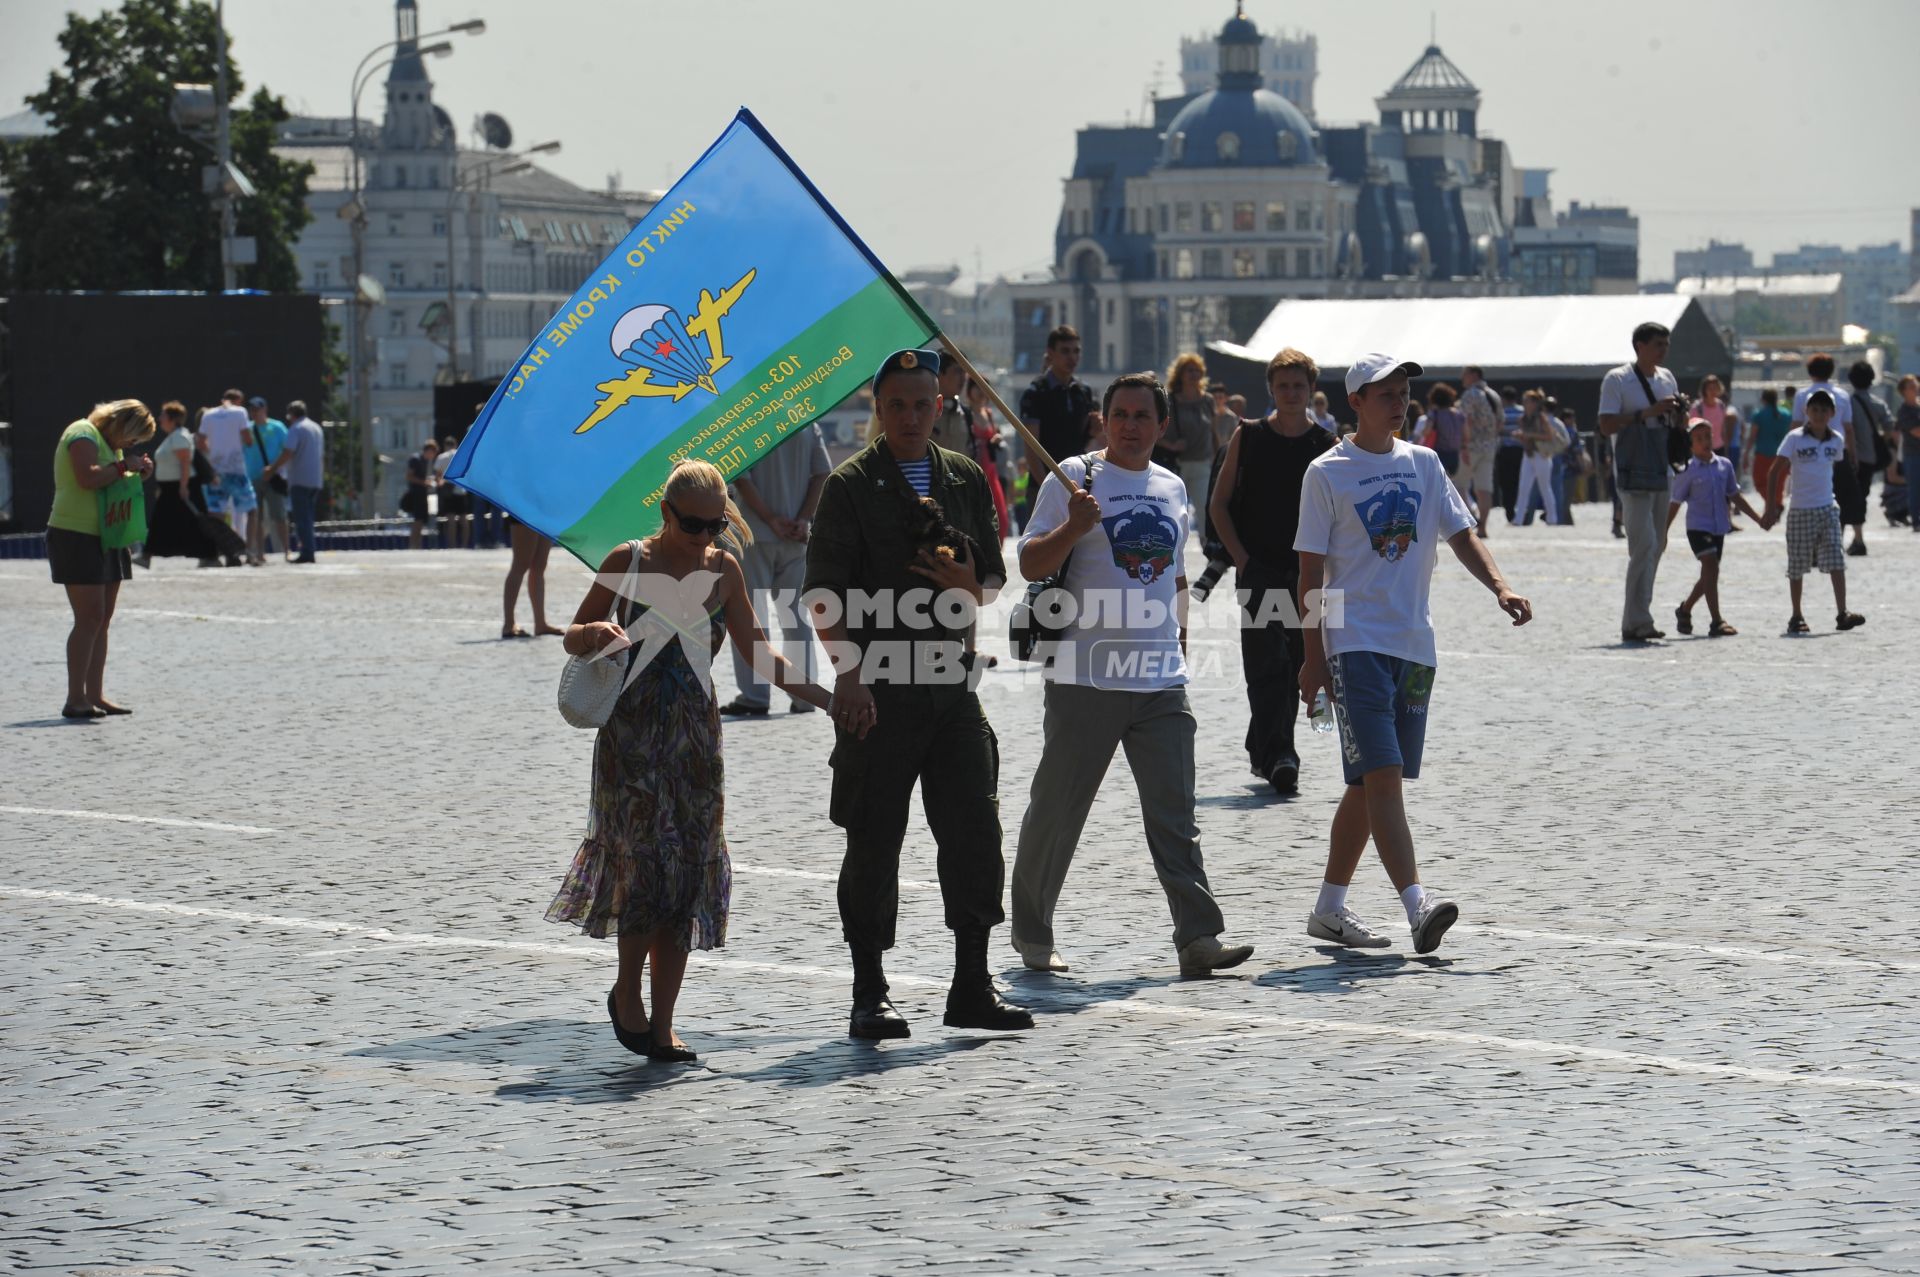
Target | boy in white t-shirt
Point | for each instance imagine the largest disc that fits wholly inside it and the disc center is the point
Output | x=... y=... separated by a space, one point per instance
x=1813 y=524
x=1373 y=511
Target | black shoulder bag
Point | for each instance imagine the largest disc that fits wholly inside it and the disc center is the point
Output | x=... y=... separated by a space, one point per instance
x=276 y=480
x=1882 y=451
x=1679 y=448
x=1036 y=617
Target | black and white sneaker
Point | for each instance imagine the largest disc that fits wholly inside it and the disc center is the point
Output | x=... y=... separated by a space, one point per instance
x=1344 y=927
x=1436 y=914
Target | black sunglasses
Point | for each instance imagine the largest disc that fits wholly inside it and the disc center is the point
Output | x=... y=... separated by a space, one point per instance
x=694 y=527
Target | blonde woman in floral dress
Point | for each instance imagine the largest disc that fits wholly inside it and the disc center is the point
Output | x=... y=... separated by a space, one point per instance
x=653 y=867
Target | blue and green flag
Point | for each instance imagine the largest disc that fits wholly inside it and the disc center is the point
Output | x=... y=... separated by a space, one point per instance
x=741 y=309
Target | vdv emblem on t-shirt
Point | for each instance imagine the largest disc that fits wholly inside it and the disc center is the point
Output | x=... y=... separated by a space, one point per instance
x=1390 y=516
x=1142 y=540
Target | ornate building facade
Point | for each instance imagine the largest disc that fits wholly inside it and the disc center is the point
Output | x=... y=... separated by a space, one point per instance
x=1193 y=228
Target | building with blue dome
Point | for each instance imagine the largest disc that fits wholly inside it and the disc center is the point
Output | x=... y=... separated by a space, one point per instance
x=1191 y=228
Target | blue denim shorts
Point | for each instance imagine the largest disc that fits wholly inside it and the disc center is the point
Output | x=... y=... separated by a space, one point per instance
x=1380 y=705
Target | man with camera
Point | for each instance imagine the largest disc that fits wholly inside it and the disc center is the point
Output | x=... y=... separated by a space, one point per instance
x=905 y=713
x=1640 y=403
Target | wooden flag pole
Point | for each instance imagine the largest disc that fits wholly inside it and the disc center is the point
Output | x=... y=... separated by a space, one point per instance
x=1034 y=448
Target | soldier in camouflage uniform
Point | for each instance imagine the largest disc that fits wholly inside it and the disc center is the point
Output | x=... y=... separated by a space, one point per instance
x=906 y=712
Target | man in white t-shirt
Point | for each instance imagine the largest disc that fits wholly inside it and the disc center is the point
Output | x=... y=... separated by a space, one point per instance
x=1118 y=678
x=224 y=436
x=1809 y=456
x=1373 y=512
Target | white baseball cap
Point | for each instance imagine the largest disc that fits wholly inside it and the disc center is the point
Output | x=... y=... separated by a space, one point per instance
x=1378 y=367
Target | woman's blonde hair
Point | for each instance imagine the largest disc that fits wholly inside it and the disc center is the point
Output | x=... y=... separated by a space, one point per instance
x=693 y=477
x=1187 y=363
x=122 y=423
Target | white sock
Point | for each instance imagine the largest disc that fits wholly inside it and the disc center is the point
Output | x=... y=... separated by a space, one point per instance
x=1333 y=897
x=1411 y=899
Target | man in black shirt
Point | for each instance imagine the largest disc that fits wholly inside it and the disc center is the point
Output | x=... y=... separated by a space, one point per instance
x=1269 y=458
x=1055 y=408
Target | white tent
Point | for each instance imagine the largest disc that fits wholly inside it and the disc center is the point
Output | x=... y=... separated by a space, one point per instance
x=1542 y=337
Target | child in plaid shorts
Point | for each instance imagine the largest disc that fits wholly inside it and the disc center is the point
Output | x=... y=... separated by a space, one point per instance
x=1809 y=454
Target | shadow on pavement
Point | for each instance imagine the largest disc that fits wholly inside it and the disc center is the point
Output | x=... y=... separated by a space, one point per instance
x=844 y=1058
x=1258 y=793
x=54 y=722
x=1045 y=994
x=1348 y=969
x=520 y=1043
x=611 y=1084
x=575 y=1062
x=569 y=1061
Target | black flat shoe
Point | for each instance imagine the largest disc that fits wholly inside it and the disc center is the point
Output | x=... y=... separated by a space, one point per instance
x=638 y=1043
x=111 y=710
x=665 y=1053
x=68 y=711
x=738 y=708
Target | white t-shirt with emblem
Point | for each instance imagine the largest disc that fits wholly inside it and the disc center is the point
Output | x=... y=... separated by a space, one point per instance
x=1379 y=518
x=1125 y=635
x=222 y=427
x=1812 y=461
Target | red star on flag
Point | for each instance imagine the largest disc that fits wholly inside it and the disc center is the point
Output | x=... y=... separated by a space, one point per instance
x=663 y=348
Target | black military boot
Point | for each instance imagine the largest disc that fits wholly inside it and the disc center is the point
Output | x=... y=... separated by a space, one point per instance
x=973 y=1002
x=873 y=1015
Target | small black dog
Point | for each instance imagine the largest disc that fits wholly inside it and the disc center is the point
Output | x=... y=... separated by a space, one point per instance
x=929 y=530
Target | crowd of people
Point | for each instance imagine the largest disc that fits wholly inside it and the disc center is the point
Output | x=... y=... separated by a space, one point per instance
x=1301 y=508
x=1298 y=505
x=1363 y=515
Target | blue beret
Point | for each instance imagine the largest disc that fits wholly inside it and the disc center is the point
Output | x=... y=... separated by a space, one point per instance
x=912 y=359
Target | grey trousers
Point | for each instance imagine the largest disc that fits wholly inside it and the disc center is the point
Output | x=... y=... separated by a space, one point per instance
x=775 y=571
x=1643 y=516
x=1083 y=724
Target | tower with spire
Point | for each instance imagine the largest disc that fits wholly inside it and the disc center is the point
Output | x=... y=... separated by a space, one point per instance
x=1434 y=96
x=1286 y=62
x=413 y=123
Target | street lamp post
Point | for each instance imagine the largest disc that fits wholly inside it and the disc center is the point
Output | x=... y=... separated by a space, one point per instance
x=470 y=183
x=361 y=341
x=223 y=144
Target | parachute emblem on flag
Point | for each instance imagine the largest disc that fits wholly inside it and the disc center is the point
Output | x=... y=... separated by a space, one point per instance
x=664 y=354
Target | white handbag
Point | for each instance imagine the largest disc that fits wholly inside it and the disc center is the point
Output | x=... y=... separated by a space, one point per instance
x=591 y=685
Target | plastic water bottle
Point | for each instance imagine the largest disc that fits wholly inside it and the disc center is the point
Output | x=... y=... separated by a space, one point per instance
x=1320 y=717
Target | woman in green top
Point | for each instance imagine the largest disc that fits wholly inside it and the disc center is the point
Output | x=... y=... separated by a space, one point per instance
x=88 y=459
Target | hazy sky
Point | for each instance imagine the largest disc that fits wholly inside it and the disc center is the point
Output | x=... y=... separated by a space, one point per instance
x=943 y=132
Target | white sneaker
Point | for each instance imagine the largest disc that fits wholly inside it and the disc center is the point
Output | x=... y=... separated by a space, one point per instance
x=1343 y=926
x=1039 y=957
x=1207 y=955
x=1436 y=914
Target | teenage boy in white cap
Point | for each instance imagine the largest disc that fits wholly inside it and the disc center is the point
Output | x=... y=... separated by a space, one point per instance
x=1373 y=511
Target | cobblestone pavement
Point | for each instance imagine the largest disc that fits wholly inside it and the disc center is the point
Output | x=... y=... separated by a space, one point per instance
x=279 y=996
